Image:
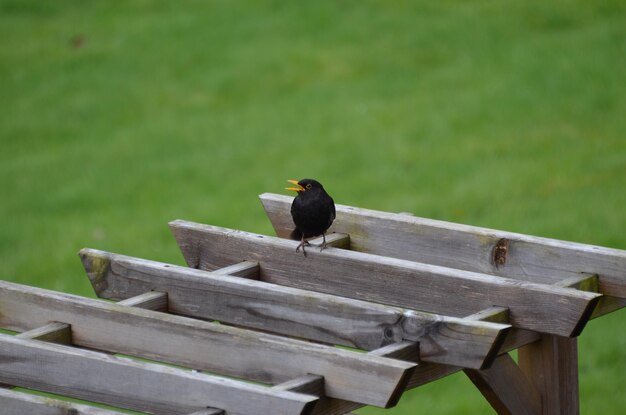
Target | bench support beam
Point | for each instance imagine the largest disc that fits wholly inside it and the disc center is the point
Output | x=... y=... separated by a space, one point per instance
x=551 y=364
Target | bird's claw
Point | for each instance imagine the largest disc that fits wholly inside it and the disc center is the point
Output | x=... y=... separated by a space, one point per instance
x=302 y=245
x=322 y=246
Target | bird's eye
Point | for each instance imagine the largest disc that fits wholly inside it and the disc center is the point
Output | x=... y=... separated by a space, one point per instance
x=308 y=186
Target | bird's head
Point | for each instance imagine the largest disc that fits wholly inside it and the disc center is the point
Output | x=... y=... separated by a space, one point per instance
x=304 y=185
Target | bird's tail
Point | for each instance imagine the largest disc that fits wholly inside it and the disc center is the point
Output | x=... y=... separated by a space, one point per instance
x=296 y=234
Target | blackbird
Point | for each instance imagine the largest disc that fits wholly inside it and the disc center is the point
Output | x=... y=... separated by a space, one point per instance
x=312 y=210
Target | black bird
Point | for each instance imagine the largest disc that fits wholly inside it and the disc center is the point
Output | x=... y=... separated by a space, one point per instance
x=312 y=210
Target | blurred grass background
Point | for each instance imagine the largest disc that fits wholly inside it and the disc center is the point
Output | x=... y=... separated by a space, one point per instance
x=118 y=117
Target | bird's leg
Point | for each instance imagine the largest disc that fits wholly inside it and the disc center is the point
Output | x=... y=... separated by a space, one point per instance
x=302 y=244
x=323 y=245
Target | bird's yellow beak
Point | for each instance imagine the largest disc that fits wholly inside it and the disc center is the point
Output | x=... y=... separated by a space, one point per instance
x=295 y=189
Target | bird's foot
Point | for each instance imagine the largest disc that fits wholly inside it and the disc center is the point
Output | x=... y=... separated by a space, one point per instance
x=302 y=245
x=323 y=245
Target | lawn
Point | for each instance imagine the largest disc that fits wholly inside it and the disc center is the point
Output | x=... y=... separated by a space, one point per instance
x=118 y=117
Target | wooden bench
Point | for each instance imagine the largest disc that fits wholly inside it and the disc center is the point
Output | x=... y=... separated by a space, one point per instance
x=252 y=327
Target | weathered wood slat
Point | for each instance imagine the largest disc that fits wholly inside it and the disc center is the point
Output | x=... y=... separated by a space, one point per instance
x=515 y=338
x=591 y=283
x=552 y=353
x=526 y=390
x=210 y=411
x=507 y=388
x=425 y=373
x=19 y=403
x=202 y=345
x=309 y=384
x=99 y=377
x=336 y=240
x=53 y=332
x=495 y=314
x=244 y=269
x=387 y=280
x=295 y=312
x=471 y=248
x=151 y=300
x=405 y=350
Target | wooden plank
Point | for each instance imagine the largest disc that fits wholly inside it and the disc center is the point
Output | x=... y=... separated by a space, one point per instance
x=405 y=350
x=387 y=280
x=309 y=384
x=429 y=372
x=99 y=377
x=523 y=257
x=335 y=240
x=495 y=314
x=559 y=391
x=53 y=332
x=19 y=403
x=591 y=283
x=295 y=312
x=424 y=373
x=515 y=338
x=209 y=411
x=507 y=388
x=551 y=364
x=244 y=269
x=157 y=301
x=151 y=300
x=202 y=345
x=535 y=359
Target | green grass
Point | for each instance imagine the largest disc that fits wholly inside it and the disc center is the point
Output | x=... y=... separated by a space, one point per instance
x=501 y=114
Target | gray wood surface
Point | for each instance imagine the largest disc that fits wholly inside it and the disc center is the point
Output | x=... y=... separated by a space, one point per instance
x=507 y=388
x=52 y=332
x=425 y=373
x=19 y=403
x=98 y=324
x=405 y=350
x=309 y=384
x=551 y=364
x=387 y=280
x=527 y=258
x=245 y=269
x=99 y=377
x=591 y=283
x=295 y=312
x=210 y=411
x=150 y=300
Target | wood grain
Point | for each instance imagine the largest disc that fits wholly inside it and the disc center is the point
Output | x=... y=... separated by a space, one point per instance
x=387 y=280
x=244 y=269
x=591 y=283
x=295 y=312
x=309 y=384
x=329 y=406
x=209 y=411
x=151 y=300
x=202 y=345
x=19 y=403
x=52 y=332
x=551 y=364
x=135 y=385
x=507 y=388
x=470 y=248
